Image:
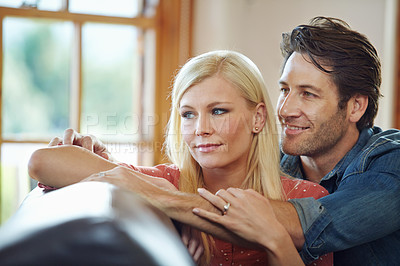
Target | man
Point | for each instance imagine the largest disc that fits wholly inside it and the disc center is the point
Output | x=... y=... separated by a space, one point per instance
x=329 y=98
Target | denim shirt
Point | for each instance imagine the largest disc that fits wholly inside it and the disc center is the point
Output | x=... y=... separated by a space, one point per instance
x=360 y=219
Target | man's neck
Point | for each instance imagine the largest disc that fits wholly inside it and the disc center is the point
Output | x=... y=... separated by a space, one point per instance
x=316 y=167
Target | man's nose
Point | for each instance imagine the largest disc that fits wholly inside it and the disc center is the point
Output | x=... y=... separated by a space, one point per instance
x=288 y=106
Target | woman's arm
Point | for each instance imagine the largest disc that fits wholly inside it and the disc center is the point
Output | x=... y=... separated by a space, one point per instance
x=60 y=166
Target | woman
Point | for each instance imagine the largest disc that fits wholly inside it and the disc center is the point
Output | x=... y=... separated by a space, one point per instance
x=222 y=133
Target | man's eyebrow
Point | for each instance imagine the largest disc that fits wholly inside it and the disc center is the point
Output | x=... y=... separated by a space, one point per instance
x=302 y=86
x=309 y=86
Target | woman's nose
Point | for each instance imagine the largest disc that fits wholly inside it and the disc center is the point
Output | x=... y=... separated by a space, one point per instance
x=203 y=126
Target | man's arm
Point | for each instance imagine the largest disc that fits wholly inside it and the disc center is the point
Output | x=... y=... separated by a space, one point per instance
x=65 y=165
x=179 y=206
x=287 y=215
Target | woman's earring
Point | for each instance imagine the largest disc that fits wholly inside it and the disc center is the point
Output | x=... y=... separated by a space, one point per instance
x=256 y=129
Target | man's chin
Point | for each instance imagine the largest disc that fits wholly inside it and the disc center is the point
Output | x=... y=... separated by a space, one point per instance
x=290 y=150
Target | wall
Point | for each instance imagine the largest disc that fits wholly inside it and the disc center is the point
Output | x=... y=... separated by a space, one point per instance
x=254 y=27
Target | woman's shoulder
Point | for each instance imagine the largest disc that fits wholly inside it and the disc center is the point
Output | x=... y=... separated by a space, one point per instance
x=298 y=188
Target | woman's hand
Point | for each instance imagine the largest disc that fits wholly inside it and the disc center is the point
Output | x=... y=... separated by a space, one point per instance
x=89 y=142
x=191 y=238
x=250 y=215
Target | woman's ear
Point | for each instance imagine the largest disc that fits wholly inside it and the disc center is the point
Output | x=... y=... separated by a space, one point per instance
x=260 y=116
x=356 y=107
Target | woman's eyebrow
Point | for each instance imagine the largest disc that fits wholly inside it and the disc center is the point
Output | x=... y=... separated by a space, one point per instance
x=210 y=105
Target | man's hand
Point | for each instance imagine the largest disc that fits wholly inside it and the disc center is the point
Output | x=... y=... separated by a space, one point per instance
x=89 y=142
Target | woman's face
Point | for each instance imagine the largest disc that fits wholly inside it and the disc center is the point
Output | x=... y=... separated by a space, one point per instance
x=216 y=124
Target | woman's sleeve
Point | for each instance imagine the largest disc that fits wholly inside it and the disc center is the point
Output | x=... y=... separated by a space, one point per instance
x=168 y=172
x=296 y=188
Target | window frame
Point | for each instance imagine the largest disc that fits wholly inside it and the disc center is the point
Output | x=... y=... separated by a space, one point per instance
x=172 y=24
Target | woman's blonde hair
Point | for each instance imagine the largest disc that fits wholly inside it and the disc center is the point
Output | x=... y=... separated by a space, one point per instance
x=263 y=174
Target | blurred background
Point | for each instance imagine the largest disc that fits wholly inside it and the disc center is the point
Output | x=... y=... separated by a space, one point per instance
x=105 y=67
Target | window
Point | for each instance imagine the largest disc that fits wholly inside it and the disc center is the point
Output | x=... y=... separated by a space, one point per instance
x=100 y=67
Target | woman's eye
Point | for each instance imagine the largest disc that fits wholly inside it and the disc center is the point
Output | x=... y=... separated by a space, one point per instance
x=219 y=111
x=187 y=115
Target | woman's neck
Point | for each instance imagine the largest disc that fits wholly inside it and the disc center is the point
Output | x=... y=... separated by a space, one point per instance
x=223 y=178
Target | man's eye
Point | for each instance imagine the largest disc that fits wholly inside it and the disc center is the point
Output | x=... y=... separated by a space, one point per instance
x=284 y=90
x=219 y=111
x=308 y=94
x=187 y=115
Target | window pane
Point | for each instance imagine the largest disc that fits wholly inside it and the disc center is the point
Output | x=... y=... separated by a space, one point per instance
x=11 y=3
x=15 y=182
x=36 y=78
x=51 y=5
x=111 y=72
x=119 y=8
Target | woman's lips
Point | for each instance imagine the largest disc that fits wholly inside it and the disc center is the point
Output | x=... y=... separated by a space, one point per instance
x=207 y=147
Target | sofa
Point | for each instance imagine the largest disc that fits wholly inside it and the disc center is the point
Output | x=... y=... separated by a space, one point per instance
x=90 y=223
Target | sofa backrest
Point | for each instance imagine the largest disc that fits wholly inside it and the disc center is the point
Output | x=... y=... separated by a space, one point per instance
x=90 y=223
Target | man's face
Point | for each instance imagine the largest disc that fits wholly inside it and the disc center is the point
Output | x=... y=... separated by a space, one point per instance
x=312 y=123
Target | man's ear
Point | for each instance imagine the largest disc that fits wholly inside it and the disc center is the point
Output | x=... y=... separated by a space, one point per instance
x=260 y=116
x=356 y=107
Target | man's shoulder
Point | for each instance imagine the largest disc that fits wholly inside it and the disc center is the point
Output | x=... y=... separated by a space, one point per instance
x=389 y=134
x=382 y=141
x=381 y=149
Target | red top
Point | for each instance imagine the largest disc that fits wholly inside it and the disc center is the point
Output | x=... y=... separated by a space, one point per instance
x=227 y=253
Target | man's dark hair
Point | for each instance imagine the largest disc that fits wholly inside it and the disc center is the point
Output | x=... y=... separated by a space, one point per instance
x=345 y=54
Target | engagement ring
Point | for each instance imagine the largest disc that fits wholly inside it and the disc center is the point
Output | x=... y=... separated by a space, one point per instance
x=226 y=208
